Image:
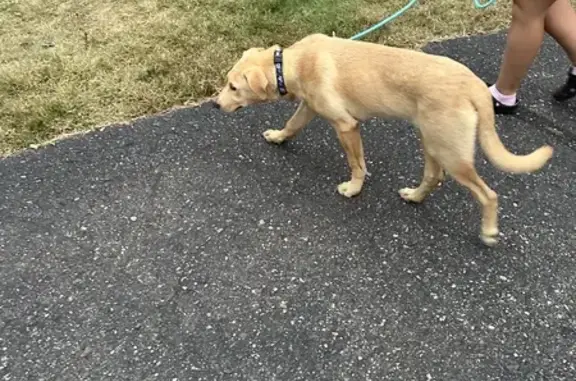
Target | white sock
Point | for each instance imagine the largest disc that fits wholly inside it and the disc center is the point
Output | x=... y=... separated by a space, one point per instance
x=573 y=71
x=507 y=100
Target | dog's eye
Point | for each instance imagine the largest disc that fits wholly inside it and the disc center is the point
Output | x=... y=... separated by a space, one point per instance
x=232 y=87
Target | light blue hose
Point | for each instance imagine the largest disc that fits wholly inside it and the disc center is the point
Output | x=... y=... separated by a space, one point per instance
x=479 y=4
x=410 y=4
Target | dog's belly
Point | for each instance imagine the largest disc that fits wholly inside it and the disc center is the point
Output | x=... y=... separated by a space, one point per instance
x=359 y=104
x=383 y=109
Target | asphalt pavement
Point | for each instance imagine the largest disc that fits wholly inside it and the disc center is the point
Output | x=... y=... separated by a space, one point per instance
x=184 y=247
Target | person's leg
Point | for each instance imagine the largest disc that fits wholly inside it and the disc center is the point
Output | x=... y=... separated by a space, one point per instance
x=560 y=23
x=524 y=39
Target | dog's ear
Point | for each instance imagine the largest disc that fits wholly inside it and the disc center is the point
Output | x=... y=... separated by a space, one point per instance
x=257 y=82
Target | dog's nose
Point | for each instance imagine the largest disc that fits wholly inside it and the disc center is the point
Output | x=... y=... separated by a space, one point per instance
x=216 y=105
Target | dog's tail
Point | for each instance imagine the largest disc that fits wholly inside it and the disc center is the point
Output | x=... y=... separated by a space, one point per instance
x=492 y=146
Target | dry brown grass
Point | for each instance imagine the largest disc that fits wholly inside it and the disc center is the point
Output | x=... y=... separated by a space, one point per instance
x=68 y=66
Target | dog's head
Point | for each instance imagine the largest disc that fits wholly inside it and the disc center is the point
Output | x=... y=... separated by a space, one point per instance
x=247 y=81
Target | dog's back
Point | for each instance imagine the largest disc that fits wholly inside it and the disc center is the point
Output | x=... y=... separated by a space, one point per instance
x=378 y=80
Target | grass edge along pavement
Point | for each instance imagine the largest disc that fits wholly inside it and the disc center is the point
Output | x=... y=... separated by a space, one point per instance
x=71 y=67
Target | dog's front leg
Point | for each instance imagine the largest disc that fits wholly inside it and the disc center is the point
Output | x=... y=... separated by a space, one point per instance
x=303 y=115
x=349 y=136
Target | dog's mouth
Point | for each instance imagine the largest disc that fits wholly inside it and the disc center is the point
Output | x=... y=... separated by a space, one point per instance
x=217 y=106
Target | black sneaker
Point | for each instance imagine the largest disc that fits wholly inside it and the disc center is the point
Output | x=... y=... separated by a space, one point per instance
x=568 y=90
x=503 y=109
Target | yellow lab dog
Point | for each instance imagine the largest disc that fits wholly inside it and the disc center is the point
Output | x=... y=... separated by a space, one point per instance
x=346 y=82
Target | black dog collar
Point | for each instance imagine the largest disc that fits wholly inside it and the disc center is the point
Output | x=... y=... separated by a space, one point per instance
x=279 y=72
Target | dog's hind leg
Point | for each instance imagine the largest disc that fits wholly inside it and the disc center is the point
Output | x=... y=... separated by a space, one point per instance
x=466 y=175
x=303 y=115
x=456 y=157
x=449 y=138
x=433 y=175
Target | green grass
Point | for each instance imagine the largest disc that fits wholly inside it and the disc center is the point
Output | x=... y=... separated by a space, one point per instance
x=70 y=66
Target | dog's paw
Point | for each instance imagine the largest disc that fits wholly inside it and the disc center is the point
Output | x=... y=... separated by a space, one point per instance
x=274 y=136
x=410 y=195
x=490 y=238
x=348 y=189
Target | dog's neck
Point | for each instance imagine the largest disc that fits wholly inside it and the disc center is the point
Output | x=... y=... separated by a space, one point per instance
x=279 y=72
x=283 y=73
